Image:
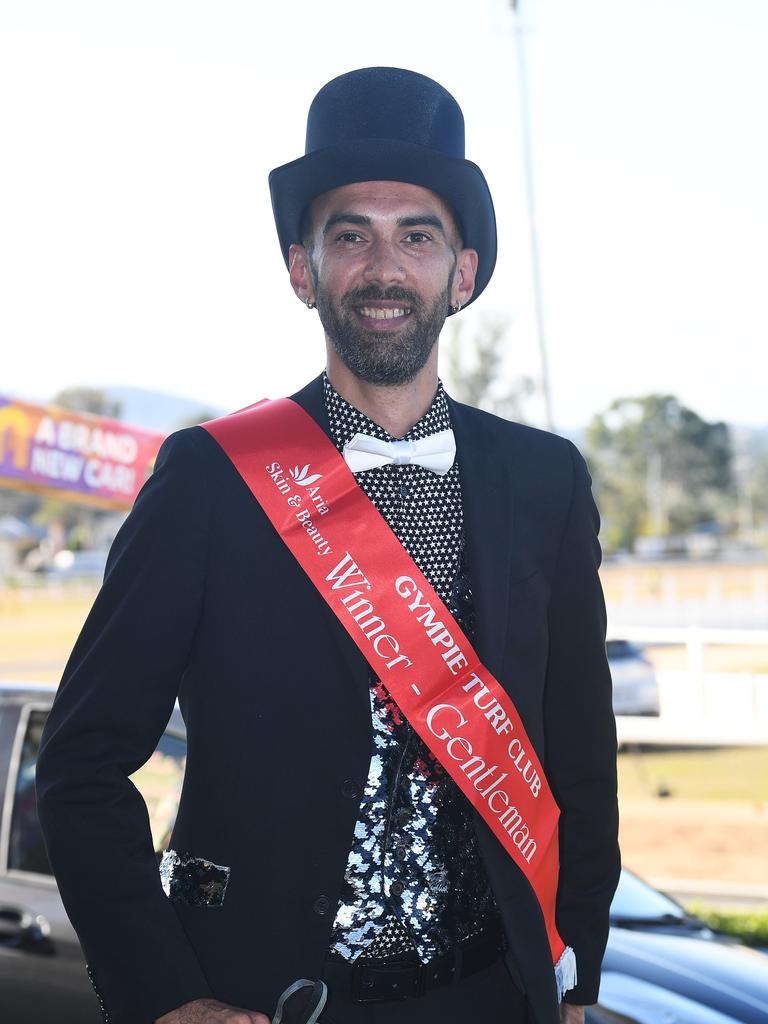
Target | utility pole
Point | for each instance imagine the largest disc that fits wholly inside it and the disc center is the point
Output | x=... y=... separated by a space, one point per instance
x=654 y=494
x=538 y=298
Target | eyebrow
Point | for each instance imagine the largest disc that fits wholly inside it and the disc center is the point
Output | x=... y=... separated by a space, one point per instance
x=421 y=220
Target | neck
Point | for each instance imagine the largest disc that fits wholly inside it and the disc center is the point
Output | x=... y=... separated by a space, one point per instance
x=396 y=408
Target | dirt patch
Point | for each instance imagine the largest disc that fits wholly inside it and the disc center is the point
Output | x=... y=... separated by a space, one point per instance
x=694 y=839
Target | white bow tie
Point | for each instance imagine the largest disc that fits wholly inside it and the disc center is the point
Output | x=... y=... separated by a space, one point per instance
x=435 y=452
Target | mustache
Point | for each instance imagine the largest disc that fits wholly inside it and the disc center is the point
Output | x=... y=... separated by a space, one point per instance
x=395 y=293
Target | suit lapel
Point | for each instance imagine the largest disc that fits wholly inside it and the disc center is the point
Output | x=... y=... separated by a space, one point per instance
x=486 y=493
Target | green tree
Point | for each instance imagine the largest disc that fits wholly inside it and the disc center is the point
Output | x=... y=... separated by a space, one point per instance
x=658 y=468
x=754 y=478
x=84 y=399
x=474 y=367
x=201 y=416
x=758 y=490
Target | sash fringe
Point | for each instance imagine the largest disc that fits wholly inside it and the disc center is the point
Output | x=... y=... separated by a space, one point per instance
x=565 y=972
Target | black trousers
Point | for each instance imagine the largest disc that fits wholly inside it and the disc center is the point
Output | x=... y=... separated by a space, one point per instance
x=488 y=997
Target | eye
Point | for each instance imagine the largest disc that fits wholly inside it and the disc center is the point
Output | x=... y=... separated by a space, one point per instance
x=349 y=236
x=418 y=237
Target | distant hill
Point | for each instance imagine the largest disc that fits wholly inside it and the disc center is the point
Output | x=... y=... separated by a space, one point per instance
x=157 y=410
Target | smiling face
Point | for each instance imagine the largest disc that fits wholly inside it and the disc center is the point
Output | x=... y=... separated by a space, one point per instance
x=383 y=261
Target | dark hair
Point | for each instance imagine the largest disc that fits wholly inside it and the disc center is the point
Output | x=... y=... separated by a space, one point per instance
x=305 y=227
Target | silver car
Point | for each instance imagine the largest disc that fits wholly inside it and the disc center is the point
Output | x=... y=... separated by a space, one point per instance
x=635 y=686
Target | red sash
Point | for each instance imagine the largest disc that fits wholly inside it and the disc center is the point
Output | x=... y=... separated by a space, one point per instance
x=406 y=634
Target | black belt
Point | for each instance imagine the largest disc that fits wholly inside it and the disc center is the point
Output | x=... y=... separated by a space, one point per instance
x=374 y=983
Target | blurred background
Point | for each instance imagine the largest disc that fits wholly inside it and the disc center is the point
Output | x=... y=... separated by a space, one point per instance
x=624 y=144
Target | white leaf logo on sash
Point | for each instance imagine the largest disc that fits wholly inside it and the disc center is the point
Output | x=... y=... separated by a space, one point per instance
x=299 y=476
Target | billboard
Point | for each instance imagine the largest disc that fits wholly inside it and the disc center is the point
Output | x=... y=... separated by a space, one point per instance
x=90 y=459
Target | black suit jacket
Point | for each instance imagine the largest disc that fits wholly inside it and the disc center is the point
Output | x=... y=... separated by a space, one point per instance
x=202 y=598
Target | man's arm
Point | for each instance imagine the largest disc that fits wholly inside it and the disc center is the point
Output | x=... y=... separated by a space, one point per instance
x=114 y=701
x=211 y=1011
x=572 y=1014
x=581 y=742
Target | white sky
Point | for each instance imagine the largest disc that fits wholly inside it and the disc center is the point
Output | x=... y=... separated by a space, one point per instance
x=136 y=237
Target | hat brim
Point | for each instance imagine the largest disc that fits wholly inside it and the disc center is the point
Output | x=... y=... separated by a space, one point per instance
x=459 y=182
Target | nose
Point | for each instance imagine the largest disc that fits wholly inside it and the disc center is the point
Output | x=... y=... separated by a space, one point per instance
x=384 y=265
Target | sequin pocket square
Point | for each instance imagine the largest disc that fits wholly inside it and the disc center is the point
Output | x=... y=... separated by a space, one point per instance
x=193 y=881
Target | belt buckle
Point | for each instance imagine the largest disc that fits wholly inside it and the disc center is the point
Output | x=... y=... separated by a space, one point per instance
x=361 y=992
x=357 y=992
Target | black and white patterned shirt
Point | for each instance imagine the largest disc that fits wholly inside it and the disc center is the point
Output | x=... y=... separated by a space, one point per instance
x=414 y=884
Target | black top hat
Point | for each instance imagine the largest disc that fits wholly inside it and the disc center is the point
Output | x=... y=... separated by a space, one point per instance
x=387 y=124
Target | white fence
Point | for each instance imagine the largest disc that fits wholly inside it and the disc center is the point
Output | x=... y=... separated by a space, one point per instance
x=699 y=707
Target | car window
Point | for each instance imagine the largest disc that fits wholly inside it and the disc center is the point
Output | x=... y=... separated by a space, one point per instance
x=636 y=899
x=26 y=849
x=159 y=782
x=621 y=649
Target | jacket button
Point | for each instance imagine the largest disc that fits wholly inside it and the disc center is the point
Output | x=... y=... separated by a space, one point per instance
x=349 y=789
x=397 y=888
x=321 y=905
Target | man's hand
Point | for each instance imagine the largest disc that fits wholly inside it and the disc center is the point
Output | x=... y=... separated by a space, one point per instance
x=211 y=1011
x=570 y=1014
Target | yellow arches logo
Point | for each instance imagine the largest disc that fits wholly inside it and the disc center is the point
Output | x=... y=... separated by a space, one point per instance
x=16 y=427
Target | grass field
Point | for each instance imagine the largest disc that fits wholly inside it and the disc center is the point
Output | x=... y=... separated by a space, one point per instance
x=725 y=773
x=38 y=629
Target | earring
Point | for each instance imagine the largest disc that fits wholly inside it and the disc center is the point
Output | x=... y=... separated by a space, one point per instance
x=456 y=308
x=310 y=303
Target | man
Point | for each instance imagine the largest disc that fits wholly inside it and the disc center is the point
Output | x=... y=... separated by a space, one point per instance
x=321 y=833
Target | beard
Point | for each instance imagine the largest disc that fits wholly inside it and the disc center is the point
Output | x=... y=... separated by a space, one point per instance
x=374 y=356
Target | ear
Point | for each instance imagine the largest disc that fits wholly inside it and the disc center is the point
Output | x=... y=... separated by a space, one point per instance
x=300 y=274
x=464 y=276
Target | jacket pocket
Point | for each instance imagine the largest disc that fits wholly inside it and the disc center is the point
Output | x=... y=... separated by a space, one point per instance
x=193 y=881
